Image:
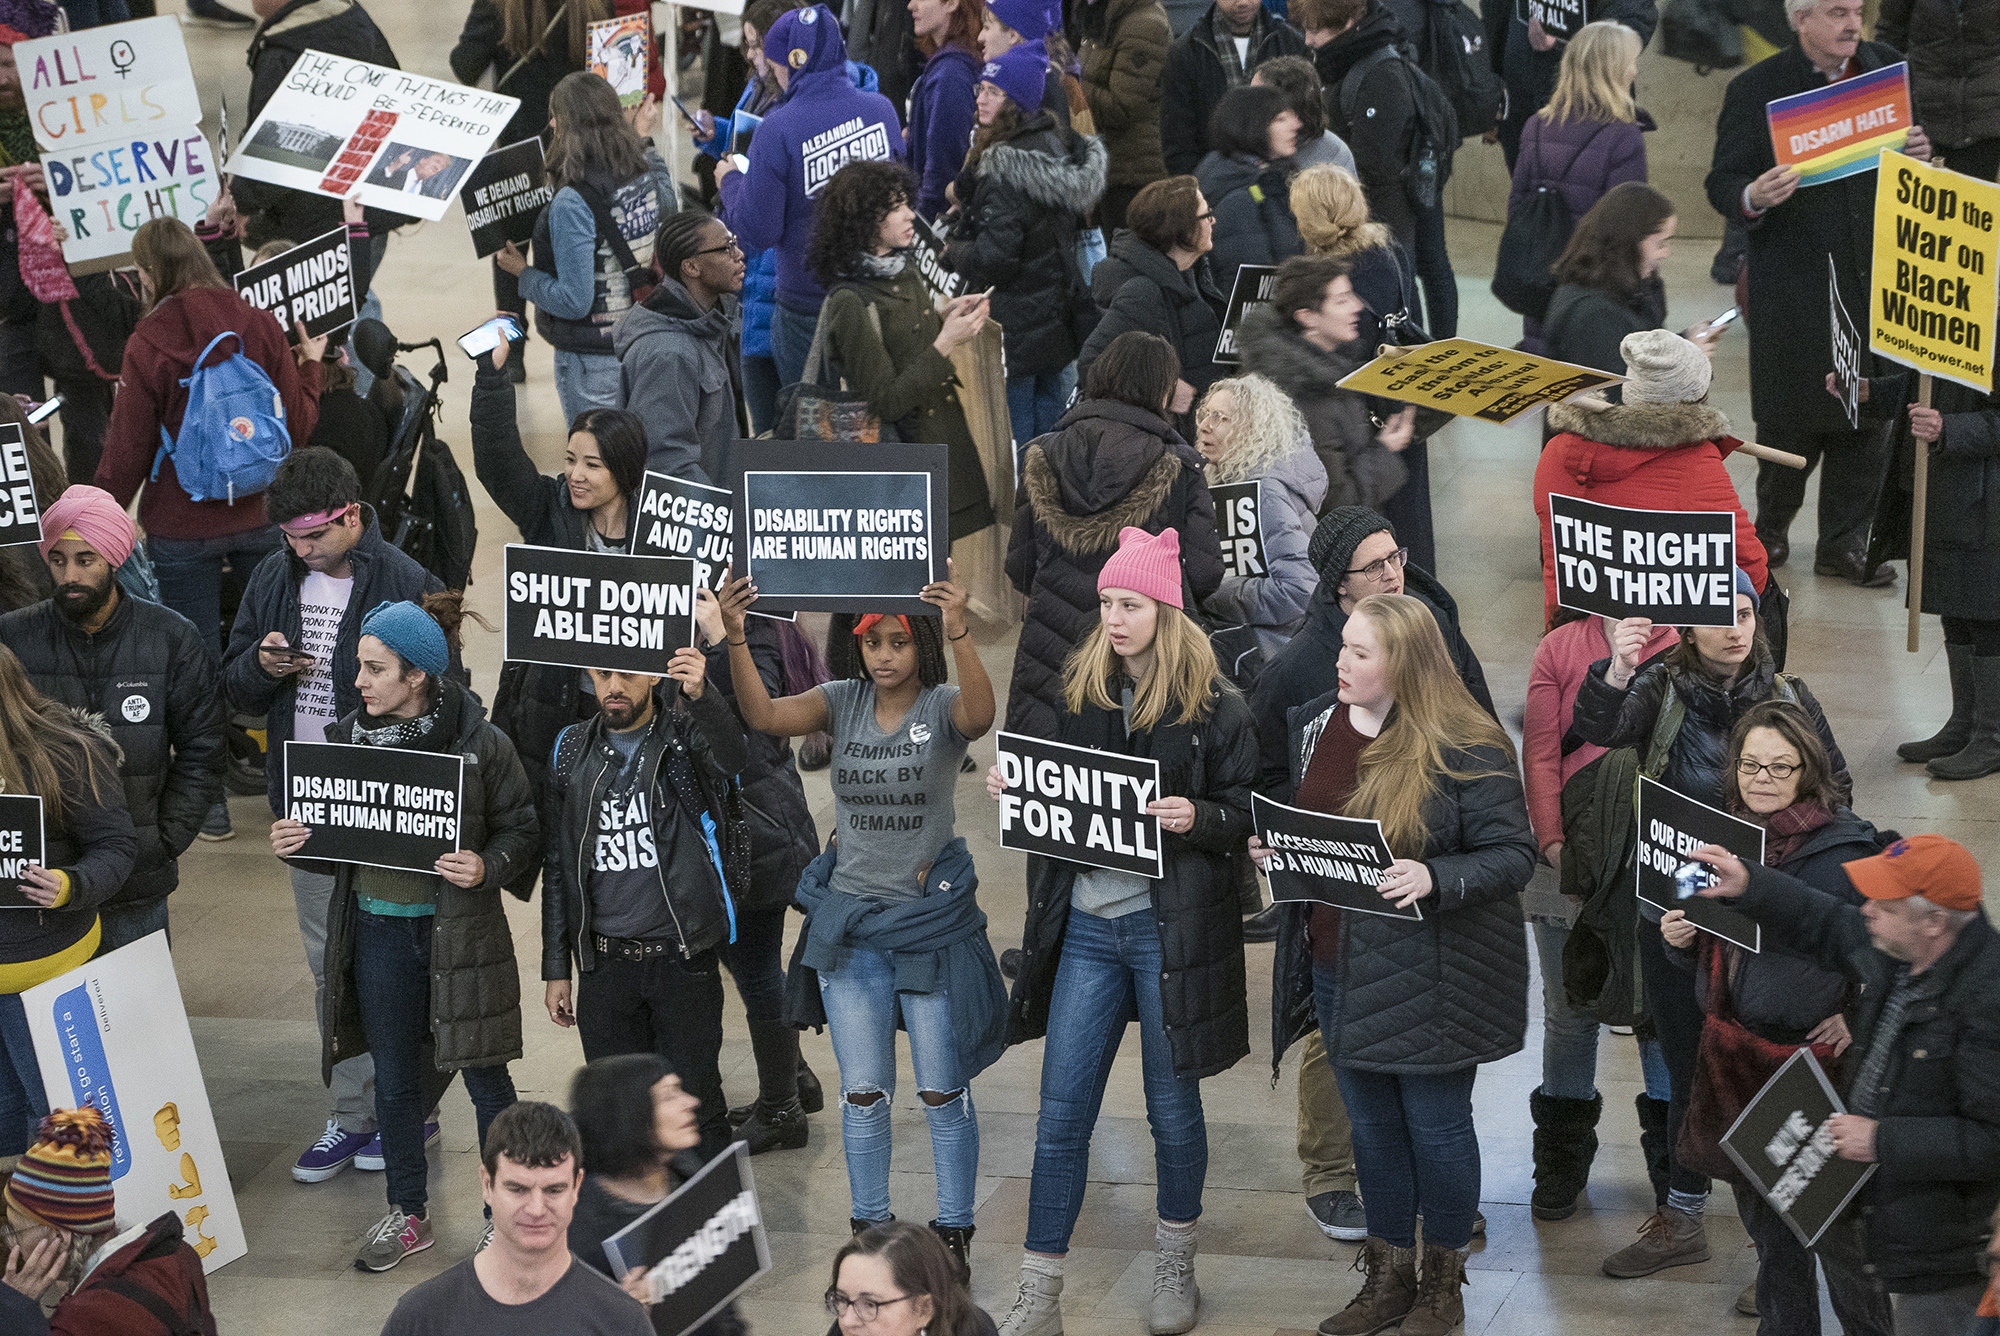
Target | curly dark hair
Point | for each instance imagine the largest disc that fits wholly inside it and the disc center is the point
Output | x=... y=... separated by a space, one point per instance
x=848 y=221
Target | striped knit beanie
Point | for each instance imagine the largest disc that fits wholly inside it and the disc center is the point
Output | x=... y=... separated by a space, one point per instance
x=64 y=1181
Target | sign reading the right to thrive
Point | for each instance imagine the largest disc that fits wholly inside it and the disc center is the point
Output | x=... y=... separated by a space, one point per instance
x=1251 y=290
x=1560 y=19
x=504 y=195
x=1079 y=804
x=382 y=806
x=678 y=518
x=1671 y=827
x=1331 y=860
x=1937 y=254
x=1239 y=511
x=1783 y=1143
x=313 y=283
x=1474 y=380
x=701 y=1247
x=1841 y=129
x=20 y=515
x=1676 y=567
x=599 y=610
x=1846 y=349
x=20 y=846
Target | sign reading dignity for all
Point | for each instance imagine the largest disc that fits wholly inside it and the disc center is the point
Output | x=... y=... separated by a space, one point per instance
x=701 y=1246
x=597 y=609
x=1474 y=379
x=1333 y=860
x=1079 y=804
x=1561 y=19
x=313 y=283
x=1932 y=303
x=504 y=195
x=1676 y=567
x=1846 y=349
x=1784 y=1146
x=678 y=518
x=20 y=846
x=20 y=515
x=1841 y=129
x=382 y=806
x=404 y=140
x=1239 y=515
x=1251 y=290
x=1671 y=827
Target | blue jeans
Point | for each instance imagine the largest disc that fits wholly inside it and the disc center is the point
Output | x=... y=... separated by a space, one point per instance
x=24 y=1101
x=586 y=380
x=1569 y=1038
x=1415 y=1150
x=190 y=573
x=1109 y=974
x=862 y=1005
x=392 y=981
x=791 y=340
x=126 y=923
x=1035 y=402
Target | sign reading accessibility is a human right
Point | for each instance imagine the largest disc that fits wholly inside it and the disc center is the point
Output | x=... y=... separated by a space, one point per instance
x=1937 y=256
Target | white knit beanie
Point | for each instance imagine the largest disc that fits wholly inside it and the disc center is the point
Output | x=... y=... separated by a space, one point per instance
x=1663 y=368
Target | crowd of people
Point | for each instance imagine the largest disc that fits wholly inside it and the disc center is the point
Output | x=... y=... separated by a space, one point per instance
x=1099 y=174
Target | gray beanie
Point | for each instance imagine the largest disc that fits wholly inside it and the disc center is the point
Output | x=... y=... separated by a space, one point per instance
x=1339 y=533
x=1663 y=368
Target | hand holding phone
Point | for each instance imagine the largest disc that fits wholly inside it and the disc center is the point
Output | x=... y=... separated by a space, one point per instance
x=490 y=335
x=279 y=659
x=1727 y=316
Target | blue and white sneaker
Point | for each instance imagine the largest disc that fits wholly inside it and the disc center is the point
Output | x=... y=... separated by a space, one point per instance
x=333 y=1152
x=370 y=1156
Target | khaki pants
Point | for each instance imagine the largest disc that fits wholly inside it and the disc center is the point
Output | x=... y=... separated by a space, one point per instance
x=1326 y=1142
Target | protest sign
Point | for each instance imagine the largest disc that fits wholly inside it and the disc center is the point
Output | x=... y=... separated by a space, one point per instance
x=1332 y=860
x=20 y=846
x=313 y=283
x=1239 y=514
x=404 y=140
x=20 y=515
x=101 y=193
x=678 y=518
x=1677 y=567
x=619 y=51
x=1079 y=804
x=1561 y=19
x=1932 y=305
x=1841 y=129
x=1475 y=380
x=597 y=609
x=1251 y=290
x=113 y=1033
x=382 y=806
x=701 y=1246
x=1671 y=827
x=927 y=248
x=504 y=195
x=1783 y=1143
x=122 y=81
x=1846 y=349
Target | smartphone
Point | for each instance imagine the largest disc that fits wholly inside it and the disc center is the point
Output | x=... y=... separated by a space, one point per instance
x=1725 y=318
x=285 y=654
x=500 y=329
x=46 y=409
x=742 y=163
x=692 y=119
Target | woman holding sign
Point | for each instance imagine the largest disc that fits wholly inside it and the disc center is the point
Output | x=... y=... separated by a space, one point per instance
x=1101 y=945
x=1409 y=1007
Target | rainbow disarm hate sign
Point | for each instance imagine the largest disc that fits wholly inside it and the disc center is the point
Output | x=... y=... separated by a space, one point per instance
x=1841 y=129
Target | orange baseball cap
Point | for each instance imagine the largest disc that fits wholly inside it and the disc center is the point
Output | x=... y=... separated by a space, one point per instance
x=1943 y=871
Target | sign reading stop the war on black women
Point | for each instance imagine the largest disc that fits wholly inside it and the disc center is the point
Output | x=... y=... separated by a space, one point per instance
x=312 y=283
x=1251 y=289
x=20 y=516
x=1079 y=804
x=599 y=610
x=1333 y=860
x=678 y=518
x=1676 y=567
x=504 y=195
x=382 y=806
x=700 y=1247
x=1937 y=251
x=1671 y=827
x=1783 y=1143
x=20 y=846
x=1239 y=517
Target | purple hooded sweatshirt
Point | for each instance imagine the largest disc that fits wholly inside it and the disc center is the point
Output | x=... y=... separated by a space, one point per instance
x=943 y=114
x=823 y=123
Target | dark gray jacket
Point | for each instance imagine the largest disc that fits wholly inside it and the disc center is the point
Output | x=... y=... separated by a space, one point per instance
x=1360 y=470
x=677 y=371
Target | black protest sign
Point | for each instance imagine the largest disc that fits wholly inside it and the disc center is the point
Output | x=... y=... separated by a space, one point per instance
x=1239 y=514
x=382 y=806
x=504 y=195
x=700 y=1247
x=1079 y=804
x=20 y=515
x=1332 y=860
x=1677 y=567
x=1846 y=350
x=678 y=518
x=1784 y=1145
x=833 y=527
x=313 y=282
x=1671 y=827
x=597 y=609
x=928 y=251
x=1251 y=289
x=1561 y=19
x=20 y=846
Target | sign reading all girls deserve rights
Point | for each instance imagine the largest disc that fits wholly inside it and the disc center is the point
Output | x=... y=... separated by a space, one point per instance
x=20 y=514
x=1079 y=804
x=311 y=283
x=1330 y=860
x=1937 y=253
x=1783 y=1143
x=599 y=610
x=1239 y=518
x=1671 y=827
x=1477 y=380
x=1676 y=567
x=1841 y=129
x=20 y=846
x=382 y=806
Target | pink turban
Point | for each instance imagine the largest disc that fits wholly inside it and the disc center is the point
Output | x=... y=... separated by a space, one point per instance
x=90 y=513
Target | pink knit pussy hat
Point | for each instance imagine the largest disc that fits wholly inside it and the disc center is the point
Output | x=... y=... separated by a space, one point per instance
x=1145 y=563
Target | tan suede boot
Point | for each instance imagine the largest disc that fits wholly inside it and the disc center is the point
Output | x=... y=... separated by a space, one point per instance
x=1440 y=1306
x=1667 y=1238
x=1387 y=1295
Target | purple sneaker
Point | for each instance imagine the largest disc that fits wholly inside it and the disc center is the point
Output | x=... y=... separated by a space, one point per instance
x=333 y=1152
x=370 y=1156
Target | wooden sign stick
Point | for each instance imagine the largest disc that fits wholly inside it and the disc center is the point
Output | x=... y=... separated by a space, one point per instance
x=1918 y=499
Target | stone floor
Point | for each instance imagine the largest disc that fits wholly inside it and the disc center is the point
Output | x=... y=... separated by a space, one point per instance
x=1264 y=1267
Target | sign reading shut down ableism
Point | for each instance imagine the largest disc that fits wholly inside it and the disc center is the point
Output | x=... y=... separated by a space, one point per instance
x=1937 y=251
x=597 y=609
x=1079 y=804
x=1676 y=567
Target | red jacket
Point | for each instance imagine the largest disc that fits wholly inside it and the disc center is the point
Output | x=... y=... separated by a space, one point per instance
x=1642 y=457
x=158 y=356
x=158 y=1262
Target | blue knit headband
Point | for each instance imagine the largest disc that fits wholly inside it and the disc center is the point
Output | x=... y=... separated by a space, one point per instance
x=410 y=631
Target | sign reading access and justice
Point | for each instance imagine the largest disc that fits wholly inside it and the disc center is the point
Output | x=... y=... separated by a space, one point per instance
x=1932 y=303
x=600 y=610
x=1079 y=804
x=1475 y=380
x=1675 y=567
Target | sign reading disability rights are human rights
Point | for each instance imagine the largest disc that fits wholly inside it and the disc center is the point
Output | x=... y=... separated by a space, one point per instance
x=1677 y=567
x=382 y=806
x=597 y=609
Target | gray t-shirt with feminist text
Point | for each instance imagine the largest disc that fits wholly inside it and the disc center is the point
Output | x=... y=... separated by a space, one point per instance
x=892 y=792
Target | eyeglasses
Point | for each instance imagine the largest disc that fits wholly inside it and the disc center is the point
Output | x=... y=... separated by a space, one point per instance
x=1375 y=570
x=865 y=1308
x=1776 y=769
x=1205 y=217
x=728 y=246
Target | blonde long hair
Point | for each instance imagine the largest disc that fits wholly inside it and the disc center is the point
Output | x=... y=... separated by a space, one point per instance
x=1595 y=83
x=1183 y=674
x=1401 y=769
x=1268 y=427
x=1332 y=213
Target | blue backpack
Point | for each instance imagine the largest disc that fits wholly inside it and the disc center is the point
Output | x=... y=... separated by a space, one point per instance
x=233 y=434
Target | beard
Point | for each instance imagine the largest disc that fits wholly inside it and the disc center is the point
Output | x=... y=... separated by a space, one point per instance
x=79 y=603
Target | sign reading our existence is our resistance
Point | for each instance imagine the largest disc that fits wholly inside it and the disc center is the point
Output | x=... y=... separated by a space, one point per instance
x=20 y=515
x=1239 y=516
x=599 y=610
x=1331 y=860
x=311 y=284
x=701 y=1246
x=1783 y=1143
x=1474 y=380
x=20 y=846
x=1676 y=567
x=381 y=806
x=1079 y=804
x=1937 y=253
x=1671 y=827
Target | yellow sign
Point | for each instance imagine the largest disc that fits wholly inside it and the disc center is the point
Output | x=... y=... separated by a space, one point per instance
x=1475 y=380
x=1937 y=254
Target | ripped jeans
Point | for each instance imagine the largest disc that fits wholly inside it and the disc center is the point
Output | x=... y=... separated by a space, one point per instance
x=862 y=1005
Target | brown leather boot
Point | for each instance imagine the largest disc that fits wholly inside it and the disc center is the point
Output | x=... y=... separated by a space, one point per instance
x=1440 y=1306
x=1387 y=1295
x=1668 y=1238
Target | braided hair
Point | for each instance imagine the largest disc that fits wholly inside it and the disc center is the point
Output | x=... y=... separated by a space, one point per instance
x=844 y=658
x=679 y=240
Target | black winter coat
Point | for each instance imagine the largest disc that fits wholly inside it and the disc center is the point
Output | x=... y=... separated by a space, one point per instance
x=1448 y=991
x=1107 y=465
x=1195 y=81
x=1585 y=326
x=1137 y=287
x=1360 y=470
x=1371 y=103
x=1928 y=1211
x=1024 y=201
x=1954 y=53
x=93 y=842
x=479 y=50
x=1248 y=229
x=1530 y=75
x=1962 y=517
x=783 y=837
x=153 y=678
x=1203 y=1001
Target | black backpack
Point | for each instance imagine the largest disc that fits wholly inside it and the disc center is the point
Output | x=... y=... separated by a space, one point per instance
x=1427 y=155
x=1533 y=241
x=437 y=528
x=1701 y=33
x=1452 y=50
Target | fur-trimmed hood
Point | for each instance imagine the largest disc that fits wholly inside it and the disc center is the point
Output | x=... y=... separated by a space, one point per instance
x=1047 y=172
x=1272 y=348
x=1639 y=426
x=1107 y=465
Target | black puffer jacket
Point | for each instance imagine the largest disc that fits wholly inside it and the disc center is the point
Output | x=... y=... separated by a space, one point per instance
x=1360 y=470
x=1954 y=52
x=1137 y=287
x=155 y=682
x=93 y=842
x=1248 y=229
x=1440 y=994
x=479 y=49
x=783 y=837
x=1107 y=465
x=1212 y=763
x=1371 y=103
x=1023 y=203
